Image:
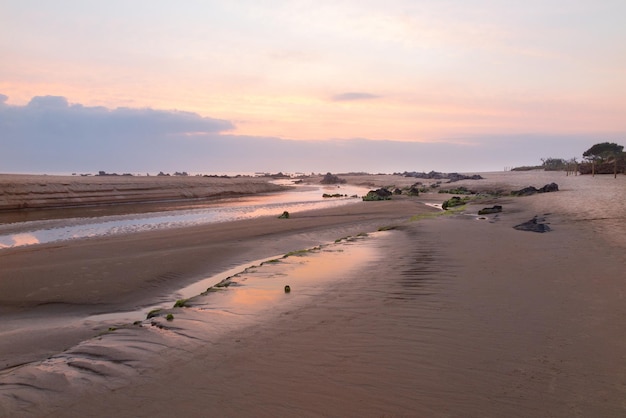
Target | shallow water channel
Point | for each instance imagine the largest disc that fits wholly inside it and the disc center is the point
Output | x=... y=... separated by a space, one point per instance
x=301 y=198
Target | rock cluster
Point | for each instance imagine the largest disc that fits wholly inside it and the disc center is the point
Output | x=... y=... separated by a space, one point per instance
x=435 y=175
x=378 y=194
x=530 y=190
x=454 y=201
x=332 y=179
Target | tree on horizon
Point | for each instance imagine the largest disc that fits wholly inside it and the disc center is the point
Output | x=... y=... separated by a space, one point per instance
x=602 y=153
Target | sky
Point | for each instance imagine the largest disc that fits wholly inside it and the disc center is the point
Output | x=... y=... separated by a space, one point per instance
x=307 y=86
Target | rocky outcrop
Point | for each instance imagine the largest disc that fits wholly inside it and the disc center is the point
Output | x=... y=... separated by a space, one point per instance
x=378 y=194
x=488 y=211
x=414 y=190
x=454 y=201
x=332 y=179
x=534 y=225
x=435 y=175
x=552 y=187
x=530 y=190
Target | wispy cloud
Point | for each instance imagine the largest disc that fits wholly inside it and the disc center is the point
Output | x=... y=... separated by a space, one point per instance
x=353 y=96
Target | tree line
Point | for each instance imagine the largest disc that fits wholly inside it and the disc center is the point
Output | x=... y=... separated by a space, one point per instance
x=601 y=158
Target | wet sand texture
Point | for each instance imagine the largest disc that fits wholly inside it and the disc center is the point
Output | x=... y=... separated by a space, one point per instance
x=451 y=316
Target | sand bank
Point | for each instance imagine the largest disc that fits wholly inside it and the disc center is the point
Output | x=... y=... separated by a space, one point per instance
x=45 y=192
x=450 y=316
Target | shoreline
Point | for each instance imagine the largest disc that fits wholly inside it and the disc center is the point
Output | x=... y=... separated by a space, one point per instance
x=452 y=316
x=86 y=277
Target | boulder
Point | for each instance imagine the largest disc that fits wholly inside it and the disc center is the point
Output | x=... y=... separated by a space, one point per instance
x=526 y=191
x=378 y=194
x=454 y=201
x=413 y=191
x=451 y=177
x=493 y=209
x=534 y=225
x=530 y=190
x=332 y=179
x=552 y=187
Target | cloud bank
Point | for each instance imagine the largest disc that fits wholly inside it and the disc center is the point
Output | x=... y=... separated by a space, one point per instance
x=351 y=96
x=50 y=135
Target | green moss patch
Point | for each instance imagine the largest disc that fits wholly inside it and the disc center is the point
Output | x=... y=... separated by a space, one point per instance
x=181 y=303
x=153 y=313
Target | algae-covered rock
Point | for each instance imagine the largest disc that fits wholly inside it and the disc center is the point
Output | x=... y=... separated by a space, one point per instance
x=488 y=211
x=458 y=190
x=378 y=194
x=530 y=190
x=414 y=190
x=454 y=201
x=285 y=215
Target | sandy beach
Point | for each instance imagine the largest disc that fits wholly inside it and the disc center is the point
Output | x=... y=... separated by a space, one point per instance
x=393 y=311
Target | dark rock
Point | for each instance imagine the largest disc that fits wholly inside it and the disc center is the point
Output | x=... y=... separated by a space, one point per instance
x=534 y=225
x=530 y=190
x=454 y=201
x=332 y=179
x=378 y=194
x=413 y=191
x=451 y=177
x=526 y=191
x=397 y=191
x=285 y=215
x=458 y=190
x=487 y=211
x=552 y=187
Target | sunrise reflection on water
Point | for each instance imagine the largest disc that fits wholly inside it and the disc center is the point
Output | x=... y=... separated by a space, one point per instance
x=305 y=198
x=306 y=274
x=18 y=240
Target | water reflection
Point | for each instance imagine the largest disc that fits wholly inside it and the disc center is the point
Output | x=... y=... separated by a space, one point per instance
x=252 y=296
x=18 y=240
x=261 y=288
x=304 y=198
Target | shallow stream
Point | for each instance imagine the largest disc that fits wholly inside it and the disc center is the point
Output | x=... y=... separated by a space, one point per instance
x=302 y=198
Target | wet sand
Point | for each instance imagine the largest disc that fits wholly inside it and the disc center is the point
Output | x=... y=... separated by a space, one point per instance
x=444 y=317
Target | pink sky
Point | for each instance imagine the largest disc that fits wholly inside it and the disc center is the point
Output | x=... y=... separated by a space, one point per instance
x=427 y=71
